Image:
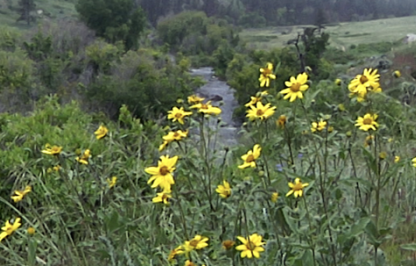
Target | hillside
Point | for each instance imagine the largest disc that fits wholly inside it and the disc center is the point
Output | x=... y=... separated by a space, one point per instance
x=342 y=35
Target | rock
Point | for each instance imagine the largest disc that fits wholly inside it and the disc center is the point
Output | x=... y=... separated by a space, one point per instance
x=216 y=98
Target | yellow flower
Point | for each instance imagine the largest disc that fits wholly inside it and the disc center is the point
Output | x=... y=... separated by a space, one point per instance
x=198 y=242
x=364 y=83
x=396 y=159
x=281 y=121
x=382 y=155
x=295 y=87
x=21 y=193
x=228 y=244
x=83 y=159
x=189 y=263
x=274 y=197
x=207 y=108
x=367 y=122
x=414 y=162
x=193 y=99
x=31 y=231
x=251 y=247
x=172 y=136
x=173 y=253
x=52 y=150
x=224 y=190
x=260 y=111
x=297 y=188
x=338 y=82
x=162 y=174
x=253 y=101
x=266 y=74
x=9 y=228
x=397 y=74
x=101 y=132
x=330 y=129
x=341 y=107
x=162 y=197
x=112 y=182
x=318 y=126
x=250 y=157
x=178 y=114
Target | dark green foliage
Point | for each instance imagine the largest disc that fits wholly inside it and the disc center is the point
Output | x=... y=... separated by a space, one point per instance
x=24 y=9
x=146 y=81
x=114 y=20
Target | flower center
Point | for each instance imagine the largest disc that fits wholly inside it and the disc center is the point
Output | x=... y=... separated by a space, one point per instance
x=194 y=243
x=298 y=187
x=204 y=106
x=295 y=87
x=250 y=245
x=178 y=115
x=250 y=158
x=259 y=112
x=266 y=72
x=363 y=79
x=164 y=170
x=368 y=121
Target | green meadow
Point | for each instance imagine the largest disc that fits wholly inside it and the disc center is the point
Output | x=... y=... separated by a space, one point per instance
x=108 y=158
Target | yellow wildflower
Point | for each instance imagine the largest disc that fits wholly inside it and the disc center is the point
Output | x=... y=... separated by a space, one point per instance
x=361 y=84
x=189 y=263
x=266 y=74
x=162 y=173
x=162 y=197
x=52 y=150
x=260 y=111
x=224 y=190
x=296 y=87
x=227 y=244
x=194 y=99
x=21 y=193
x=250 y=157
x=396 y=159
x=101 y=132
x=414 y=162
x=318 y=126
x=207 y=108
x=382 y=155
x=397 y=74
x=172 y=136
x=274 y=197
x=281 y=121
x=9 y=228
x=367 y=122
x=341 y=107
x=31 y=231
x=296 y=188
x=173 y=253
x=178 y=114
x=368 y=140
x=338 y=82
x=253 y=101
x=251 y=247
x=112 y=182
x=83 y=159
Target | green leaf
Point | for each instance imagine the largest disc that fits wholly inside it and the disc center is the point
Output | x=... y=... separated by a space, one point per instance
x=410 y=246
x=359 y=227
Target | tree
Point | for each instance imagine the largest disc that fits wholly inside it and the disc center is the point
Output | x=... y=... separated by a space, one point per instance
x=25 y=6
x=114 y=20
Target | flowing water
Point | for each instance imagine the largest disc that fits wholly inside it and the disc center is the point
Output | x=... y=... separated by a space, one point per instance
x=221 y=95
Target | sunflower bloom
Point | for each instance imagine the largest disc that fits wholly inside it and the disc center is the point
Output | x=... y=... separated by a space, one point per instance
x=266 y=74
x=414 y=162
x=318 y=126
x=397 y=74
x=83 y=159
x=9 y=228
x=112 y=182
x=101 y=132
x=251 y=247
x=295 y=87
x=207 y=108
x=253 y=101
x=227 y=244
x=338 y=82
x=396 y=159
x=52 y=150
x=198 y=242
x=173 y=253
x=162 y=173
x=367 y=122
x=224 y=190
x=31 y=231
x=362 y=84
x=172 y=136
x=178 y=114
x=162 y=197
x=297 y=188
x=20 y=194
x=260 y=111
x=194 y=99
x=250 y=157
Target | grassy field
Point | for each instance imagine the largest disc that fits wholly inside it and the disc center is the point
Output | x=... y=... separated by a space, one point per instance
x=342 y=35
x=51 y=9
